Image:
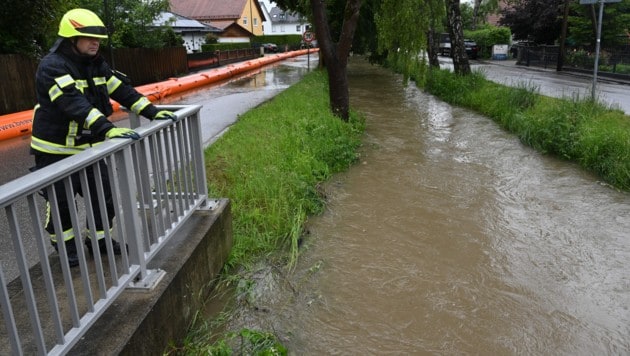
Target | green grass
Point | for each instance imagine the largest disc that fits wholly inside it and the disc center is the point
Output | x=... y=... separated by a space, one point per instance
x=576 y=129
x=271 y=162
x=270 y=165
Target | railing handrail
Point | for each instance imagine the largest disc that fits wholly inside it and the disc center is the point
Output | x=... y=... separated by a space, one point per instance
x=156 y=182
x=32 y=182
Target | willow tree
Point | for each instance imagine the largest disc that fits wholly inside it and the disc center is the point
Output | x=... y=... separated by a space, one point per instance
x=407 y=32
x=481 y=8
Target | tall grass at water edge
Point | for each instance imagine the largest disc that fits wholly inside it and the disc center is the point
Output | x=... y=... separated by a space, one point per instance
x=270 y=163
x=576 y=129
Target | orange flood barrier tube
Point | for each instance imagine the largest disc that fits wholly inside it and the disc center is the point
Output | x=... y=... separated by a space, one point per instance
x=20 y=123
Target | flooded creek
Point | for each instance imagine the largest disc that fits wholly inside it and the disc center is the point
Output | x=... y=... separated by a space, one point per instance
x=451 y=237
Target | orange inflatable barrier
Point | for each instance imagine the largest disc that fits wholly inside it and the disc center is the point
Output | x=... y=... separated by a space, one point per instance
x=20 y=123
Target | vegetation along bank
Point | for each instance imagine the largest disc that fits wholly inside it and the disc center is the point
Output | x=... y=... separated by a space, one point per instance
x=576 y=129
x=270 y=165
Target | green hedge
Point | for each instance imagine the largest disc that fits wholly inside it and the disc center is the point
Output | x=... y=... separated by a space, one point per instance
x=279 y=40
x=224 y=46
x=489 y=36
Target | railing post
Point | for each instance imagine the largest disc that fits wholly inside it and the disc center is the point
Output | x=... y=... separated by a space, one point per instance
x=130 y=221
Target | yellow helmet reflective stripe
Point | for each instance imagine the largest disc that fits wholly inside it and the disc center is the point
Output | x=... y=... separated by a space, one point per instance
x=81 y=22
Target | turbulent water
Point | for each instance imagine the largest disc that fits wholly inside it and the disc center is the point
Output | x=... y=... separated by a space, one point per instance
x=451 y=237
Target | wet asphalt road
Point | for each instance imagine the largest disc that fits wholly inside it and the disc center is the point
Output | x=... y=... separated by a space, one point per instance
x=549 y=82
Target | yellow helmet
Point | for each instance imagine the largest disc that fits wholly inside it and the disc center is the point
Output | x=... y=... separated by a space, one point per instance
x=81 y=22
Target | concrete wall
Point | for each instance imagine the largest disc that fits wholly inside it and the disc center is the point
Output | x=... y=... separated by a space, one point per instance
x=144 y=323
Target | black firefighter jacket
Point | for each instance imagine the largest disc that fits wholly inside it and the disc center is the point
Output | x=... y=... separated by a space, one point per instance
x=73 y=101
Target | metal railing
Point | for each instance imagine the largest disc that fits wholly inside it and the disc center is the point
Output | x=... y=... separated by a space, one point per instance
x=157 y=182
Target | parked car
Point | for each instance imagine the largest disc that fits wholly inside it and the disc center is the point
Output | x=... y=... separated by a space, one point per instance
x=444 y=48
x=270 y=47
x=471 y=49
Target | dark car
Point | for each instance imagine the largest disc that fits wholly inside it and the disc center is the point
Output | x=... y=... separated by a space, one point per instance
x=471 y=49
x=270 y=47
x=444 y=45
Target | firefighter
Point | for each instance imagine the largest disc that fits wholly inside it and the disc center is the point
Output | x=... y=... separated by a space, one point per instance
x=74 y=85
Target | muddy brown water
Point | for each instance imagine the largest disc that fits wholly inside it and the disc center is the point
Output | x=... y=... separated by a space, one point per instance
x=450 y=237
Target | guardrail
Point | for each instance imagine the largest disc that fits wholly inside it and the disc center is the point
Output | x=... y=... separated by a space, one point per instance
x=157 y=183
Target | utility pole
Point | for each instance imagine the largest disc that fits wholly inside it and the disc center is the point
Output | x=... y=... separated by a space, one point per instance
x=599 y=35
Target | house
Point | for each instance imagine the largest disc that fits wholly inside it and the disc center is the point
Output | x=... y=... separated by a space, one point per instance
x=192 y=31
x=238 y=20
x=266 y=6
x=287 y=23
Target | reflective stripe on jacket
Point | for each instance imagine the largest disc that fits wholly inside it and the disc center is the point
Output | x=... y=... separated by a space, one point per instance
x=73 y=101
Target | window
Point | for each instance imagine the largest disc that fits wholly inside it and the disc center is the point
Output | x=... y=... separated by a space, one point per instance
x=256 y=21
x=244 y=20
x=298 y=28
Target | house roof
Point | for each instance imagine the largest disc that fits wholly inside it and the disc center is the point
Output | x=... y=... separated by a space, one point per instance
x=221 y=24
x=279 y=15
x=181 y=23
x=212 y=10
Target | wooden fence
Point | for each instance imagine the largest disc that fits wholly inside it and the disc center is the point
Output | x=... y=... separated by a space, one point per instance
x=146 y=65
x=141 y=65
x=17 y=83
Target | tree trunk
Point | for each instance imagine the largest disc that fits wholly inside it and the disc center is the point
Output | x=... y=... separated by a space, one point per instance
x=461 y=65
x=433 y=41
x=563 y=36
x=476 y=6
x=433 y=48
x=336 y=55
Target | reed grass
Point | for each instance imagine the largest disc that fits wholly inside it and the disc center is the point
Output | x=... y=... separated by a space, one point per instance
x=577 y=129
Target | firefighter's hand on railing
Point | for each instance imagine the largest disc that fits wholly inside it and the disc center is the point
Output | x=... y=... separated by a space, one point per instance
x=166 y=115
x=122 y=132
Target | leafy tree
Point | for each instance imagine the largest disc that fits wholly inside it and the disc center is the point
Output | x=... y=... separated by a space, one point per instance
x=536 y=20
x=28 y=26
x=583 y=24
x=408 y=29
x=130 y=22
x=480 y=9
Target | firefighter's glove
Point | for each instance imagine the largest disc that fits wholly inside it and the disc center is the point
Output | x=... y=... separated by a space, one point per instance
x=122 y=132
x=166 y=115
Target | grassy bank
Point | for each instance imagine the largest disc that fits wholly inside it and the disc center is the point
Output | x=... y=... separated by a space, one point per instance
x=270 y=165
x=579 y=130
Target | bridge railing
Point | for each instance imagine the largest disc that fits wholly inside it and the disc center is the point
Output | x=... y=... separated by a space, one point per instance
x=157 y=183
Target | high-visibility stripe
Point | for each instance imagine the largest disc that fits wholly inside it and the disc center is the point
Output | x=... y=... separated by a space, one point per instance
x=64 y=81
x=54 y=148
x=73 y=129
x=99 y=81
x=100 y=234
x=94 y=115
x=113 y=83
x=54 y=92
x=81 y=84
x=139 y=105
x=66 y=235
